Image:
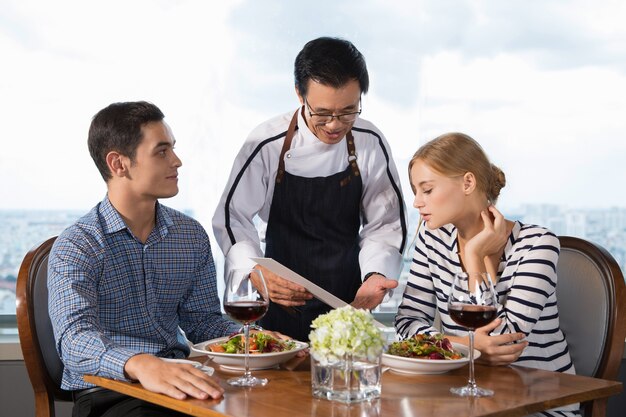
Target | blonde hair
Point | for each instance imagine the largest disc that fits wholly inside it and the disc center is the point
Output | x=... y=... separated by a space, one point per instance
x=454 y=154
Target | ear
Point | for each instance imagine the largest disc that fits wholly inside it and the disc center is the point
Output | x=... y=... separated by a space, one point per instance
x=300 y=97
x=117 y=164
x=469 y=183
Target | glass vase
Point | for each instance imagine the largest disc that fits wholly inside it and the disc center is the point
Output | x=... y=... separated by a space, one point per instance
x=348 y=380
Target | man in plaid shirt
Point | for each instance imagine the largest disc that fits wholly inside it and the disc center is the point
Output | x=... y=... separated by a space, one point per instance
x=129 y=275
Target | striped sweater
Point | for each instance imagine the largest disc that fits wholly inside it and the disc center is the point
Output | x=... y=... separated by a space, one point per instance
x=526 y=285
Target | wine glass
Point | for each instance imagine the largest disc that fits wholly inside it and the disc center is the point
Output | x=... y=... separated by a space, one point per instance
x=246 y=300
x=473 y=303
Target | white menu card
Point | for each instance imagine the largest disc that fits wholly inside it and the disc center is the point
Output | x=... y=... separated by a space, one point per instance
x=317 y=291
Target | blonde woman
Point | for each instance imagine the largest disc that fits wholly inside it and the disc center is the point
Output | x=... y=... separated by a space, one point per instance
x=455 y=189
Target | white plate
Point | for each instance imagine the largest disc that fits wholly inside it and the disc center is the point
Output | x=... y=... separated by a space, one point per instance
x=257 y=360
x=402 y=365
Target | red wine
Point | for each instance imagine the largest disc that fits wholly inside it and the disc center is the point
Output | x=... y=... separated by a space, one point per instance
x=472 y=316
x=246 y=311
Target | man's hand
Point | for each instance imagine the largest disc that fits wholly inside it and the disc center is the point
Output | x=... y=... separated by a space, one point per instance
x=373 y=291
x=501 y=349
x=282 y=291
x=173 y=379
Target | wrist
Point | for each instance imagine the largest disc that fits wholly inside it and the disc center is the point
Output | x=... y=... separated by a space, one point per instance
x=135 y=364
x=473 y=263
x=369 y=274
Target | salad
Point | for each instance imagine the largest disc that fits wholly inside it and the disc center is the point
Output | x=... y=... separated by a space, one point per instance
x=422 y=346
x=259 y=343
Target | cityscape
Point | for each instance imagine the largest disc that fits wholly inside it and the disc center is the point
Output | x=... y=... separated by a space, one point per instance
x=20 y=230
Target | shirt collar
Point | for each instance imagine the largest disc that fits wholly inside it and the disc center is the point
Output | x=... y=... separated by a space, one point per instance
x=112 y=221
x=163 y=220
x=109 y=217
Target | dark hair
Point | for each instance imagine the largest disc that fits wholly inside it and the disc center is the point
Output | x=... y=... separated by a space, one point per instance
x=117 y=127
x=332 y=62
x=453 y=154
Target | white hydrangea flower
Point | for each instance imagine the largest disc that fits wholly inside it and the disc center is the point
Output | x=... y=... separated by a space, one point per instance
x=342 y=331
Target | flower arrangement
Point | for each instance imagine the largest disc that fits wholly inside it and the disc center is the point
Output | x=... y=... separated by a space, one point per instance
x=345 y=331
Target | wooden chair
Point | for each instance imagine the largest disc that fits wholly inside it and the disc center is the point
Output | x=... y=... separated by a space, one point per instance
x=591 y=297
x=43 y=364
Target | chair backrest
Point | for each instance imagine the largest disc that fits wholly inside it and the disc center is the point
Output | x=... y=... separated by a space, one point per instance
x=43 y=364
x=591 y=298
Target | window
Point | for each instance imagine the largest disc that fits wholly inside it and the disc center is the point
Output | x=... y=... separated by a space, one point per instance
x=542 y=86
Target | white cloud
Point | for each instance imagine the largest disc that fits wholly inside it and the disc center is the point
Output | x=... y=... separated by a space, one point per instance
x=555 y=132
x=540 y=84
x=70 y=59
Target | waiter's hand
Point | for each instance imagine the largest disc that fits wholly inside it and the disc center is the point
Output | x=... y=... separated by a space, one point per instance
x=373 y=291
x=282 y=291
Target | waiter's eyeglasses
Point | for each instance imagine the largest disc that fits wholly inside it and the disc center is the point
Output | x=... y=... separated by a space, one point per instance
x=322 y=118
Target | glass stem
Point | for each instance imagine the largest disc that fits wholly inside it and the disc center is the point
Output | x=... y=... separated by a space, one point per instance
x=347 y=363
x=246 y=336
x=472 y=382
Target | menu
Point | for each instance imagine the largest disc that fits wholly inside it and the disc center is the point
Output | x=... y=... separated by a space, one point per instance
x=317 y=291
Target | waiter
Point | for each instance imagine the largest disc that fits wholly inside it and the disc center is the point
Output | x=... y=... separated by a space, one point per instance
x=324 y=184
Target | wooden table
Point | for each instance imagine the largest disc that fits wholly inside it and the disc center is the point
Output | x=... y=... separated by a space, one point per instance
x=518 y=391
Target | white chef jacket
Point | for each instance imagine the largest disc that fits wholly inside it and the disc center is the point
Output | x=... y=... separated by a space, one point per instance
x=250 y=189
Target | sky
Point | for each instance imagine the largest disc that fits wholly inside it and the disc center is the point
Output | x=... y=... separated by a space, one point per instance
x=540 y=84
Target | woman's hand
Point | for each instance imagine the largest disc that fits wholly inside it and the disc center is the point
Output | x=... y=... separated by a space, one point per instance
x=500 y=349
x=492 y=237
x=487 y=245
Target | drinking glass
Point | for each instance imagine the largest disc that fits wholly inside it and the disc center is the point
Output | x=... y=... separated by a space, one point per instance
x=246 y=300
x=473 y=303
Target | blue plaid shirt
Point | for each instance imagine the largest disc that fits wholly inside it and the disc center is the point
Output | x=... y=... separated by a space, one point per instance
x=112 y=297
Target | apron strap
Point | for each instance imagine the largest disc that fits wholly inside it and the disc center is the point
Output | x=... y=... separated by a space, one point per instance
x=286 y=146
x=352 y=157
x=352 y=154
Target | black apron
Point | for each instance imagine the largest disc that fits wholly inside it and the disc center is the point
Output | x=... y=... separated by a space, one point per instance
x=313 y=229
